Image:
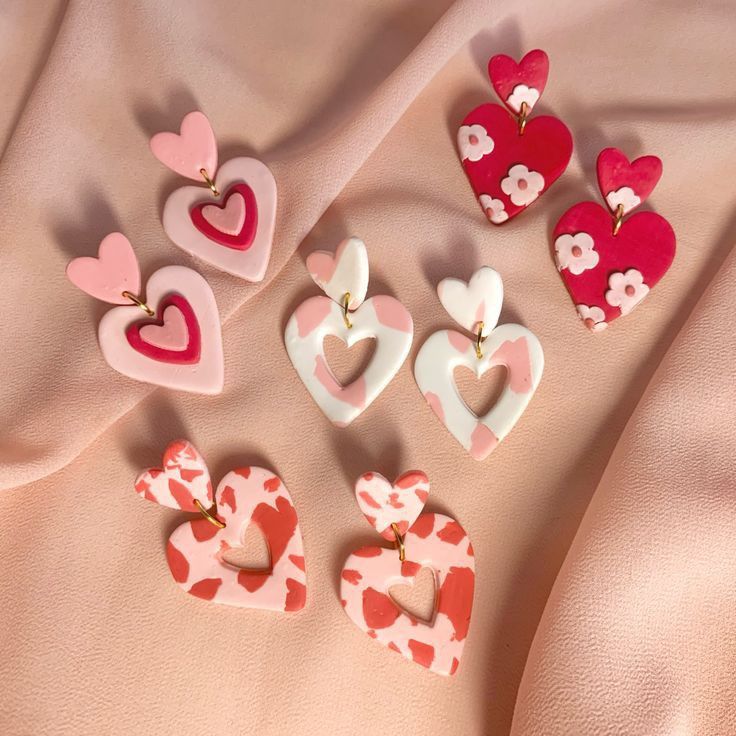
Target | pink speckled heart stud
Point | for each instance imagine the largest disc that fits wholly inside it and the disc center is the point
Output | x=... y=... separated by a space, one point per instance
x=178 y=343
x=430 y=540
x=231 y=224
x=344 y=314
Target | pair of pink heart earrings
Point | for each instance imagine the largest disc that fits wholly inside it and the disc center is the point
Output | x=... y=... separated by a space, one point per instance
x=196 y=552
x=608 y=265
x=228 y=222
x=344 y=313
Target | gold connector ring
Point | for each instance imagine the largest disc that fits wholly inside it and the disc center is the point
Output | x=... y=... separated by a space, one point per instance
x=209 y=181
x=139 y=303
x=399 y=542
x=209 y=515
x=345 y=305
x=523 y=114
x=479 y=340
x=619 y=219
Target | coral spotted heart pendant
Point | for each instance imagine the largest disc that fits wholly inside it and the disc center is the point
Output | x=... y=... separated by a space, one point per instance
x=434 y=541
x=178 y=344
x=608 y=260
x=344 y=313
x=509 y=159
x=231 y=224
x=195 y=550
x=476 y=307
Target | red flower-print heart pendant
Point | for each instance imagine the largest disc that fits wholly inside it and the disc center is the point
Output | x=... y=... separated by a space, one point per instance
x=509 y=160
x=607 y=263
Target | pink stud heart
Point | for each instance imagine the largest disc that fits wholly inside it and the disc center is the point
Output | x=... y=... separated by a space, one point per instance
x=192 y=150
x=176 y=338
x=523 y=82
x=624 y=183
x=114 y=271
x=234 y=222
x=182 y=478
x=385 y=503
x=345 y=272
x=434 y=541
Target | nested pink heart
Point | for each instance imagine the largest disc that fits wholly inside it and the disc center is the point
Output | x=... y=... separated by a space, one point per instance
x=234 y=222
x=607 y=275
x=434 y=541
x=182 y=478
x=385 y=504
x=196 y=549
x=626 y=183
x=114 y=271
x=508 y=171
x=173 y=338
x=531 y=72
x=192 y=150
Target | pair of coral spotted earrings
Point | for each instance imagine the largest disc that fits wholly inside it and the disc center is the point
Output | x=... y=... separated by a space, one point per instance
x=196 y=552
x=227 y=222
x=608 y=263
x=344 y=313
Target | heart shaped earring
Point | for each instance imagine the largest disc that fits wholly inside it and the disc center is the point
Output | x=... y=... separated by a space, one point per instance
x=195 y=548
x=434 y=541
x=509 y=160
x=343 y=313
x=231 y=224
x=476 y=307
x=178 y=344
x=607 y=263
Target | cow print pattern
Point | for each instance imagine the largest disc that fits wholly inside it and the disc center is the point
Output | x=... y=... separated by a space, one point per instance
x=195 y=550
x=435 y=541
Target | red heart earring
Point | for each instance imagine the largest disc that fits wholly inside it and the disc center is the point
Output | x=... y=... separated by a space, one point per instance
x=609 y=265
x=509 y=160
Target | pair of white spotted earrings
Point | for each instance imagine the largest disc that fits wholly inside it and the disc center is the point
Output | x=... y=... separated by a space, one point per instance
x=475 y=306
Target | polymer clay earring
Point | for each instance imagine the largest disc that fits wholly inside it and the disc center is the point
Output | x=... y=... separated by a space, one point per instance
x=195 y=550
x=430 y=540
x=509 y=159
x=178 y=344
x=476 y=307
x=228 y=222
x=608 y=263
x=344 y=313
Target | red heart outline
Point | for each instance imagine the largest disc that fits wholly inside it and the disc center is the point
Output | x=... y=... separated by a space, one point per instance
x=615 y=171
x=189 y=355
x=505 y=73
x=244 y=239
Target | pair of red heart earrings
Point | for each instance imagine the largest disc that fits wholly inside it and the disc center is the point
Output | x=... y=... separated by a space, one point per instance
x=196 y=552
x=608 y=263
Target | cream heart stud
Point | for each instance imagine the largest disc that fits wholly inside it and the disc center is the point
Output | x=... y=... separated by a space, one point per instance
x=381 y=317
x=512 y=346
x=230 y=222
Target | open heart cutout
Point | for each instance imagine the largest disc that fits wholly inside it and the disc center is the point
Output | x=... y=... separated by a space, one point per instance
x=196 y=549
x=381 y=317
x=434 y=541
x=348 y=363
x=417 y=599
x=480 y=394
x=253 y=553
x=509 y=345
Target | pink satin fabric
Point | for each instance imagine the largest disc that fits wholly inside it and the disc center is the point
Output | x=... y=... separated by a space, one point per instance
x=602 y=526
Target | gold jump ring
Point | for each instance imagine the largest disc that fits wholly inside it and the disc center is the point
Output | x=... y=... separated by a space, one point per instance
x=209 y=181
x=399 y=542
x=523 y=113
x=345 y=304
x=209 y=515
x=619 y=219
x=139 y=303
x=479 y=340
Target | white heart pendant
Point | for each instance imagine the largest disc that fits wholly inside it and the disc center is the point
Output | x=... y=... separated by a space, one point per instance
x=180 y=347
x=512 y=346
x=381 y=317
